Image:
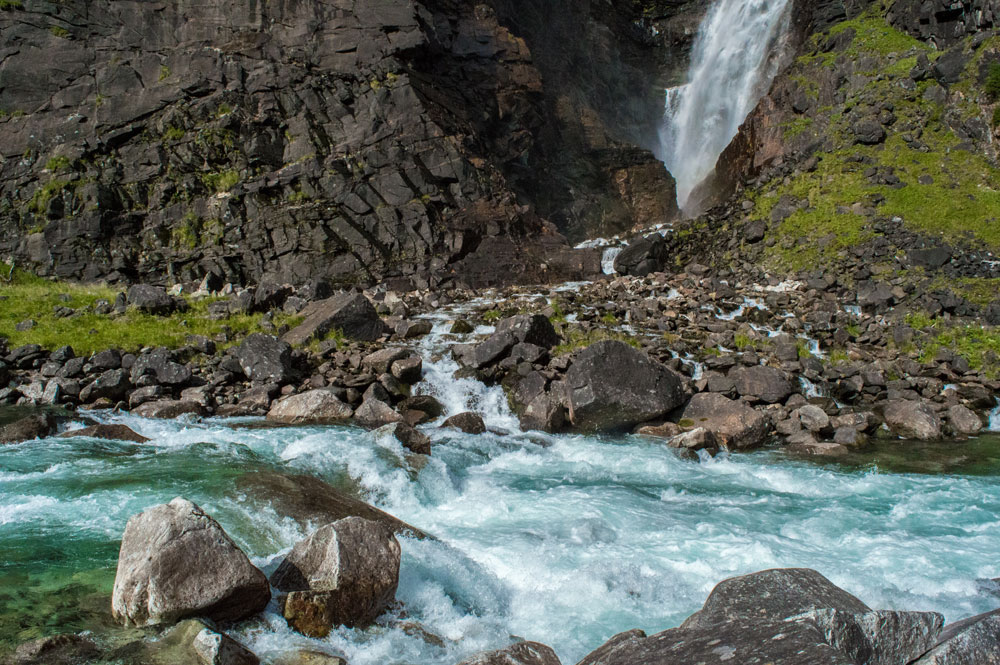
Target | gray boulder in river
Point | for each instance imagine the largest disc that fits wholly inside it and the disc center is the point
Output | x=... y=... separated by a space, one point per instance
x=177 y=562
x=613 y=387
x=789 y=616
x=345 y=573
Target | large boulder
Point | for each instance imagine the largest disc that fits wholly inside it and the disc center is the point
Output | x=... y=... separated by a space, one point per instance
x=194 y=642
x=177 y=562
x=521 y=653
x=530 y=329
x=736 y=425
x=265 y=359
x=791 y=616
x=374 y=412
x=762 y=383
x=345 y=573
x=350 y=313
x=309 y=408
x=912 y=420
x=642 y=256
x=151 y=299
x=309 y=500
x=467 y=421
x=168 y=409
x=113 y=384
x=973 y=641
x=159 y=364
x=613 y=387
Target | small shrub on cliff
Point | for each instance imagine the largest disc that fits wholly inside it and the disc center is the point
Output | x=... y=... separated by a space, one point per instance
x=992 y=85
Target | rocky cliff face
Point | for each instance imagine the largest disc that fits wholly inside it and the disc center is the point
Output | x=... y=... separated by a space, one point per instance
x=944 y=22
x=419 y=141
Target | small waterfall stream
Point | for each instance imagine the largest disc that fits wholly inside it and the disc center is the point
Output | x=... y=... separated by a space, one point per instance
x=732 y=64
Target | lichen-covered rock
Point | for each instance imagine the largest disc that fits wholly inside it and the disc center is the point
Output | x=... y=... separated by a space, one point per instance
x=175 y=562
x=912 y=420
x=265 y=359
x=352 y=314
x=972 y=641
x=345 y=573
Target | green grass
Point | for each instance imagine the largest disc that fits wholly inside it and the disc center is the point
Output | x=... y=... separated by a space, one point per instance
x=164 y=73
x=57 y=163
x=43 y=195
x=173 y=134
x=992 y=84
x=11 y=4
x=222 y=181
x=575 y=339
x=59 y=31
x=31 y=297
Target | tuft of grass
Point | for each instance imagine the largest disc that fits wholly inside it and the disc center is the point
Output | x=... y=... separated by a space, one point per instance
x=173 y=134
x=164 y=73
x=59 y=31
x=8 y=5
x=222 y=181
x=991 y=86
x=575 y=339
x=31 y=297
x=57 y=163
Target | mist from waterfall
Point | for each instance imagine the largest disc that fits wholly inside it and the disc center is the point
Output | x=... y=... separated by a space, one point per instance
x=732 y=64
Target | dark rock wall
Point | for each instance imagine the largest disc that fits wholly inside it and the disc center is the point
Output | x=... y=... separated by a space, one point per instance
x=340 y=138
x=944 y=22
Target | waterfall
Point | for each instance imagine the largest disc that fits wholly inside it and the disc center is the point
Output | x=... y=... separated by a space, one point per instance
x=732 y=64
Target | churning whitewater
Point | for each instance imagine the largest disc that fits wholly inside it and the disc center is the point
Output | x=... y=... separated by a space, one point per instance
x=563 y=539
x=733 y=62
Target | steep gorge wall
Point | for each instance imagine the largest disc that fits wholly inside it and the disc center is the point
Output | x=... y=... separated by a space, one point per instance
x=418 y=141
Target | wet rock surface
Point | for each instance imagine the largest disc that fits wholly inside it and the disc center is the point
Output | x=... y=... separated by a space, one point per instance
x=177 y=562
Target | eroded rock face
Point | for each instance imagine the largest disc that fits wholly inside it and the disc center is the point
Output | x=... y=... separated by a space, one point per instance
x=973 y=640
x=176 y=562
x=613 y=387
x=293 y=140
x=345 y=573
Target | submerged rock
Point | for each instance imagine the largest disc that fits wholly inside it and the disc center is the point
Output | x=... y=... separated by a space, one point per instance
x=412 y=439
x=111 y=432
x=26 y=429
x=176 y=562
x=55 y=650
x=195 y=642
x=614 y=387
x=345 y=573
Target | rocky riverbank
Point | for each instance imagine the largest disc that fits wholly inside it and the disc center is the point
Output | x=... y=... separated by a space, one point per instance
x=699 y=358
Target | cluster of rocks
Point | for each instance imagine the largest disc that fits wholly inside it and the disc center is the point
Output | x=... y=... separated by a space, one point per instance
x=748 y=364
x=178 y=566
x=787 y=617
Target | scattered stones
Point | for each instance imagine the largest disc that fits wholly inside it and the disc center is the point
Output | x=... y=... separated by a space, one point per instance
x=345 y=573
x=176 y=562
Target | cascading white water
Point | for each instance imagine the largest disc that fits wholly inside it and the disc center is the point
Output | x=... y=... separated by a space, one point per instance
x=732 y=64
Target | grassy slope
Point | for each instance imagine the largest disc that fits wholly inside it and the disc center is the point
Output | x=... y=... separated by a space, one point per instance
x=30 y=297
x=962 y=203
